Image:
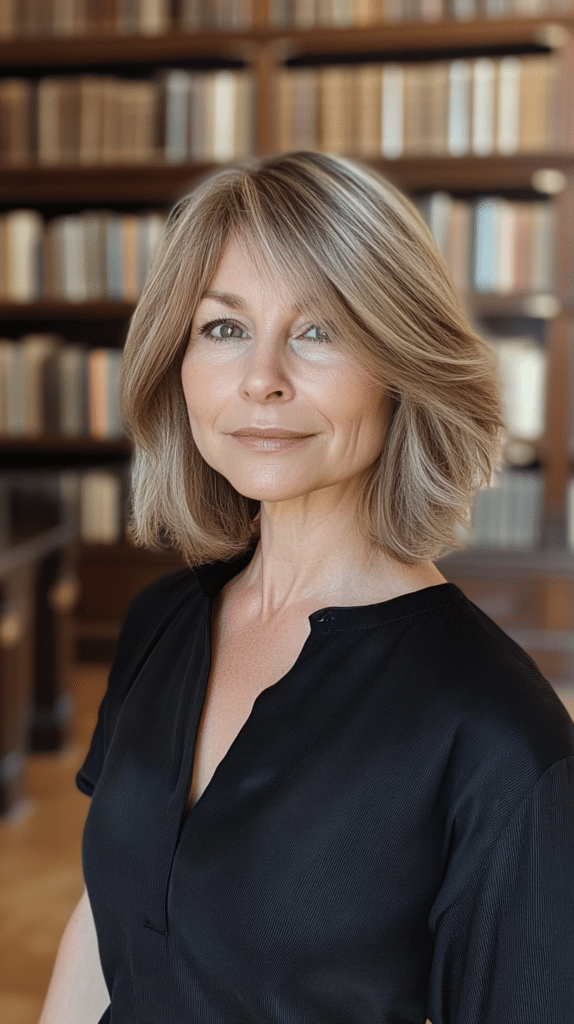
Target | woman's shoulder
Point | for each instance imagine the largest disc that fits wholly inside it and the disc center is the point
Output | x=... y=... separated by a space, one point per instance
x=490 y=696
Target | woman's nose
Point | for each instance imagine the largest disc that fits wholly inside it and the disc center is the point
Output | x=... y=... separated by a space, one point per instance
x=266 y=376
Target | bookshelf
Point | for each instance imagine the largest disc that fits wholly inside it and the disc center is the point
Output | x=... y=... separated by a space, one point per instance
x=266 y=46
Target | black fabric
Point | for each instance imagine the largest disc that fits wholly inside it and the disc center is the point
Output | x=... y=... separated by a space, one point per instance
x=390 y=836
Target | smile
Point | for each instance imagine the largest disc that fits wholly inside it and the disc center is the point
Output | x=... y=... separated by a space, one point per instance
x=271 y=444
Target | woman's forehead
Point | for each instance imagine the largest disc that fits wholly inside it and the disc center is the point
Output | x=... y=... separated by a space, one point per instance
x=243 y=258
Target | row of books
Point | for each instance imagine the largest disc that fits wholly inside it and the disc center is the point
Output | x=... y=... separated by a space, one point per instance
x=486 y=105
x=506 y=515
x=203 y=116
x=509 y=513
x=344 y=13
x=76 y=257
x=50 y=387
x=45 y=18
x=492 y=244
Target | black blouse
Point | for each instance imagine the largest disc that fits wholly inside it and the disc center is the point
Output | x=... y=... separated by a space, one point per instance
x=390 y=835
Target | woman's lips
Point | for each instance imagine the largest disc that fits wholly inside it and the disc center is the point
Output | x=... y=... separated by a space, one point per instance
x=270 y=444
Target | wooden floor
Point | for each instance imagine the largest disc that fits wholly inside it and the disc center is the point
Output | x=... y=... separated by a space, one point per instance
x=40 y=860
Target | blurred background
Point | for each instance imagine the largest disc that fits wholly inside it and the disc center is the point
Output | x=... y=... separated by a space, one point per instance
x=109 y=111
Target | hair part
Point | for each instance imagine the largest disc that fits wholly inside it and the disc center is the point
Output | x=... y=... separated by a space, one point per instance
x=343 y=234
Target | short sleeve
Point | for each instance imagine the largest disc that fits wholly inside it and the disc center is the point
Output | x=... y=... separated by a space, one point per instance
x=504 y=950
x=148 y=617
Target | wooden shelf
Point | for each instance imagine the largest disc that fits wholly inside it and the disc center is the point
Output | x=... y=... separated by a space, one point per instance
x=53 y=442
x=181 y=46
x=473 y=173
x=163 y=183
x=511 y=563
x=133 y=183
x=48 y=309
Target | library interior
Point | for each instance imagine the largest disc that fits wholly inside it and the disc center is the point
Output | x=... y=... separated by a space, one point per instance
x=111 y=111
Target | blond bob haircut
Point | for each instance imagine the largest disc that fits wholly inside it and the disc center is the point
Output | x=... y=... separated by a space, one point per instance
x=339 y=232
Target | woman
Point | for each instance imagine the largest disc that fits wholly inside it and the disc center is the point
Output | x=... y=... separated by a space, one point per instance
x=326 y=788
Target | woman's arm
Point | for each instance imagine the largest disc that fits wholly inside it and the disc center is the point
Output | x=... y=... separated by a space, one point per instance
x=77 y=992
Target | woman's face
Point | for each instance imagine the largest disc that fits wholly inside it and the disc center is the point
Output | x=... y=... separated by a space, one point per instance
x=258 y=358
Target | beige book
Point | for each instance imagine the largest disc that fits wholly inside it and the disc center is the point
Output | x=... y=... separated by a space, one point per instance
x=15 y=401
x=392 y=111
x=48 y=115
x=4 y=258
x=8 y=19
x=224 y=116
x=458 y=245
x=362 y=11
x=522 y=246
x=154 y=17
x=483 y=112
x=15 y=121
x=523 y=370
x=437 y=108
x=305 y=114
x=562 y=121
x=73 y=390
x=431 y=10
x=130 y=285
x=505 y=245
x=36 y=349
x=304 y=13
x=508 y=105
x=534 y=116
x=111 y=98
x=190 y=14
x=72 y=250
x=69 y=120
x=415 y=109
x=64 y=18
x=91 y=119
x=5 y=356
x=243 y=144
x=369 y=110
x=94 y=237
x=200 y=116
x=50 y=262
x=543 y=249
x=97 y=392
x=24 y=241
x=458 y=140
x=100 y=507
x=284 y=95
x=337 y=92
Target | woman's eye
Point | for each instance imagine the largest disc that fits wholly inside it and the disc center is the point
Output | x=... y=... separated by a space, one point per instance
x=315 y=334
x=222 y=330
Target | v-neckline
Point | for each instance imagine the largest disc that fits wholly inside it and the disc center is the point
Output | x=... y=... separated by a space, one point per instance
x=191 y=740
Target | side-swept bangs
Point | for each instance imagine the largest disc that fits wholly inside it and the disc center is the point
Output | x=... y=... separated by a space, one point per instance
x=356 y=251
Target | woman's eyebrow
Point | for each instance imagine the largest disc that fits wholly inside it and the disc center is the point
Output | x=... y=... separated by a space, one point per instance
x=236 y=302
x=226 y=298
